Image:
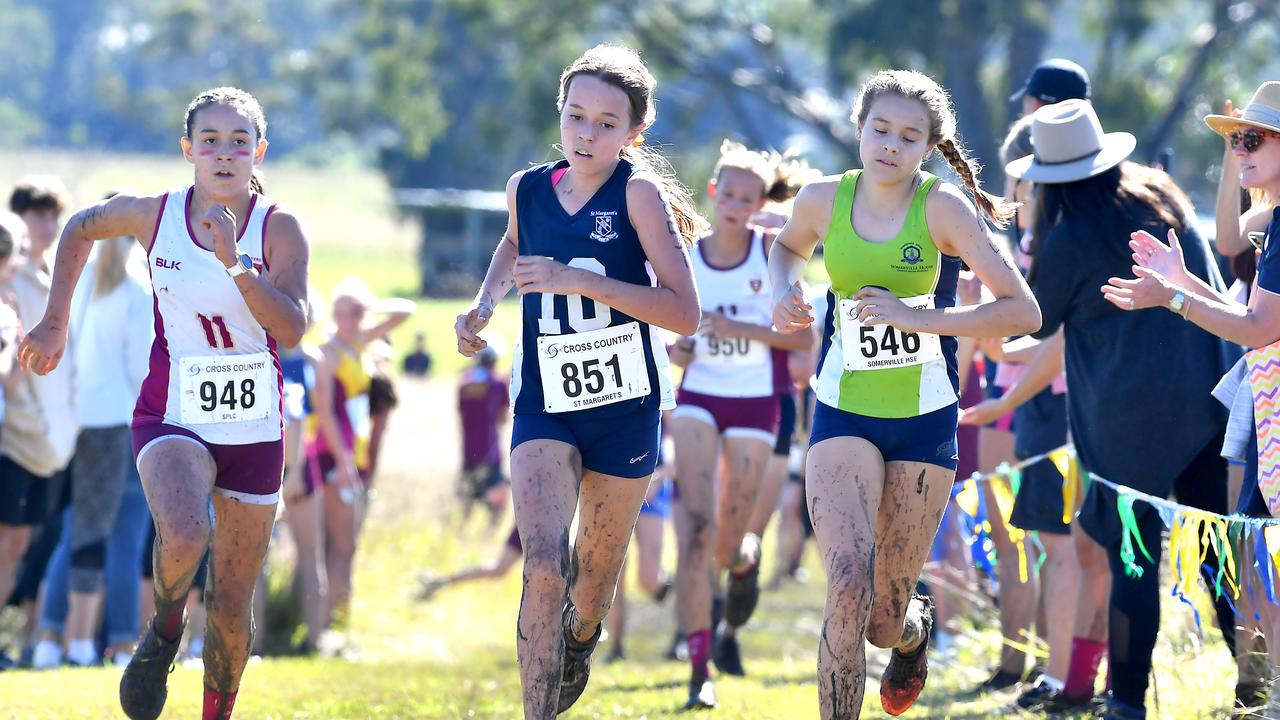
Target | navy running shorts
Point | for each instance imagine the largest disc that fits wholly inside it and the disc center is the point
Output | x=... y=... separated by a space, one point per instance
x=624 y=446
x=928 y=438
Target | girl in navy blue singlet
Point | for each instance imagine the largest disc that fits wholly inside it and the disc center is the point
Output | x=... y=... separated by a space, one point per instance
x=597 y=244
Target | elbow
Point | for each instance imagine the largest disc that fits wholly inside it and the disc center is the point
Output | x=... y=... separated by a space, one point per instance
x=291 y=335
x=686 y=323
x=1029 y=319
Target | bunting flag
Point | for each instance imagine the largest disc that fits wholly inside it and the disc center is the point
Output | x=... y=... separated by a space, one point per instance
x=1064 y=458
x=1264 y=382
x=1193 y=533
x=1004 y=495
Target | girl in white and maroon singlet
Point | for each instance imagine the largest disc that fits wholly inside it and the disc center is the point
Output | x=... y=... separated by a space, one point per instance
x=735 y=370
x=229 y=270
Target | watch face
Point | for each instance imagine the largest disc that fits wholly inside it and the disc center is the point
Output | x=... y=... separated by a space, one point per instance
x=246 y=262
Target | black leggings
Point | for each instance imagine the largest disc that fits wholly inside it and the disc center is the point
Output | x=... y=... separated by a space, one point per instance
x=1135 y=602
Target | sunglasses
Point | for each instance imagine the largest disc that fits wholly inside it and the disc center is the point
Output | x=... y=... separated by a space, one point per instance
x=1250 y=139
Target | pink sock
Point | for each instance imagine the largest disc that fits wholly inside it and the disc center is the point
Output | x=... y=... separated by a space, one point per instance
x=700 y=651
x=1086 y=654
x=169 y=626
x=217 y=706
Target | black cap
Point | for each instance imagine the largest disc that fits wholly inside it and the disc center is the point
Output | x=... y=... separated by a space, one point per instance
x=1053 y=81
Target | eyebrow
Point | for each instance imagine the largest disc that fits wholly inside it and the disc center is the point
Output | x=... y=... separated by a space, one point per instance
x=612 y=115
x=875 y=118
x=233 y=132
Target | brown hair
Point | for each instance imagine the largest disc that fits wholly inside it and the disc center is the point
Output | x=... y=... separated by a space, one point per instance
x=622 y=68
x=782 y=174
x=238 y=100
x=10 y=232
x=39 y=192
x=917 y=86
x=1108 y=207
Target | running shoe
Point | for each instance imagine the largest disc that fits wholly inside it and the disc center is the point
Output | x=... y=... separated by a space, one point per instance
x=728 y=657
x=904 y=677
x=577 y=663
x=999 y=680
x=702 y=693
x=1041 y=698
x=744 y=591
x=143 y=686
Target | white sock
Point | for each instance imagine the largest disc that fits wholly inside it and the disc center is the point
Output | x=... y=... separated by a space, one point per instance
x=121 y=659
x=82 y=652
x=47 y=654
x=1053 y=683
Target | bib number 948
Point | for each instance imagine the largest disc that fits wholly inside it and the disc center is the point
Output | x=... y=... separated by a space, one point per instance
x=226 y=388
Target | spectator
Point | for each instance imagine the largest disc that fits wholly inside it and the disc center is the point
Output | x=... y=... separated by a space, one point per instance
x=418 y=362
x=482 y=408
x=40 y=425
x=111 y=354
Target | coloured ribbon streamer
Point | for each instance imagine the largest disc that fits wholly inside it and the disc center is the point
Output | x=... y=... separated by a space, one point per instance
x=1064 y=458
x=1004 y=496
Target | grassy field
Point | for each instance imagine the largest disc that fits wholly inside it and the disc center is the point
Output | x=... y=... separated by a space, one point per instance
x=454 y=657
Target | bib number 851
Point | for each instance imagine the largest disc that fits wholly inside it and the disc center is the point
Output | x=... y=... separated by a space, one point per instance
x=589 y=376
x=211 y=398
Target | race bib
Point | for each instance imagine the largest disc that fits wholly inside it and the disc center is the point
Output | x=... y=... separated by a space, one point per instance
x=881 y=346
x=226 y=388
x=590 y=369
x=730 y=352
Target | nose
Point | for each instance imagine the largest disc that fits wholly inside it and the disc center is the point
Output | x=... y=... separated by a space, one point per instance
x=1238 y=150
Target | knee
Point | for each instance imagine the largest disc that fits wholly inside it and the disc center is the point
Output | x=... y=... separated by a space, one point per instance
x=546 y=569
x=230 y=604
x=850 y=584
x=188 y=541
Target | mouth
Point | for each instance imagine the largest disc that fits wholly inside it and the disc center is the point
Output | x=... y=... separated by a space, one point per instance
x=886 y=163
x=223 y=174
x=583 y=154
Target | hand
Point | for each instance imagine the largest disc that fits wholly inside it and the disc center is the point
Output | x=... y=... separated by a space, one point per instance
x=42 y=348
x=469 y=324
x=537 y=274
x=292 y=487
x=1147 y=290
x=345 y=475
x=791 y=313
x=681 y=352
x=717 y=325
x=992 y=348
x=1165 y=259
x=877 y=306
x=221 y=224
x=969 y=288
x=984 y=413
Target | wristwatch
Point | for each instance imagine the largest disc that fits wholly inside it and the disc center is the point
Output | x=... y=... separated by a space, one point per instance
x=243 y=264
x=1179 y=303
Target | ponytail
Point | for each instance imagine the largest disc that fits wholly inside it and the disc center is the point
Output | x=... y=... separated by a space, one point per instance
x=995 y=208
x=689 y=222
x=255 y=183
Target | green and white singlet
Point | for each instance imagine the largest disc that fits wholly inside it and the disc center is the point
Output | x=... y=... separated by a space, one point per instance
x=880 y=371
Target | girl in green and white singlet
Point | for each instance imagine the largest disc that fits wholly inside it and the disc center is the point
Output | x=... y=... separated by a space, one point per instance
x=882 y=452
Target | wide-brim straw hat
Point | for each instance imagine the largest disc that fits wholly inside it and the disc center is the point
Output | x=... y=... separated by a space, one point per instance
x=1070 y=145
x=1263 y=111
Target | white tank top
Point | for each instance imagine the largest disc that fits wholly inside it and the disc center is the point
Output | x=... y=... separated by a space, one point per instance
x=214 y=369
x=734 y=367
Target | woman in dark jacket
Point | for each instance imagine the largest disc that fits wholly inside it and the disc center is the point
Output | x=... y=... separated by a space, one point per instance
x=1140 y=408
